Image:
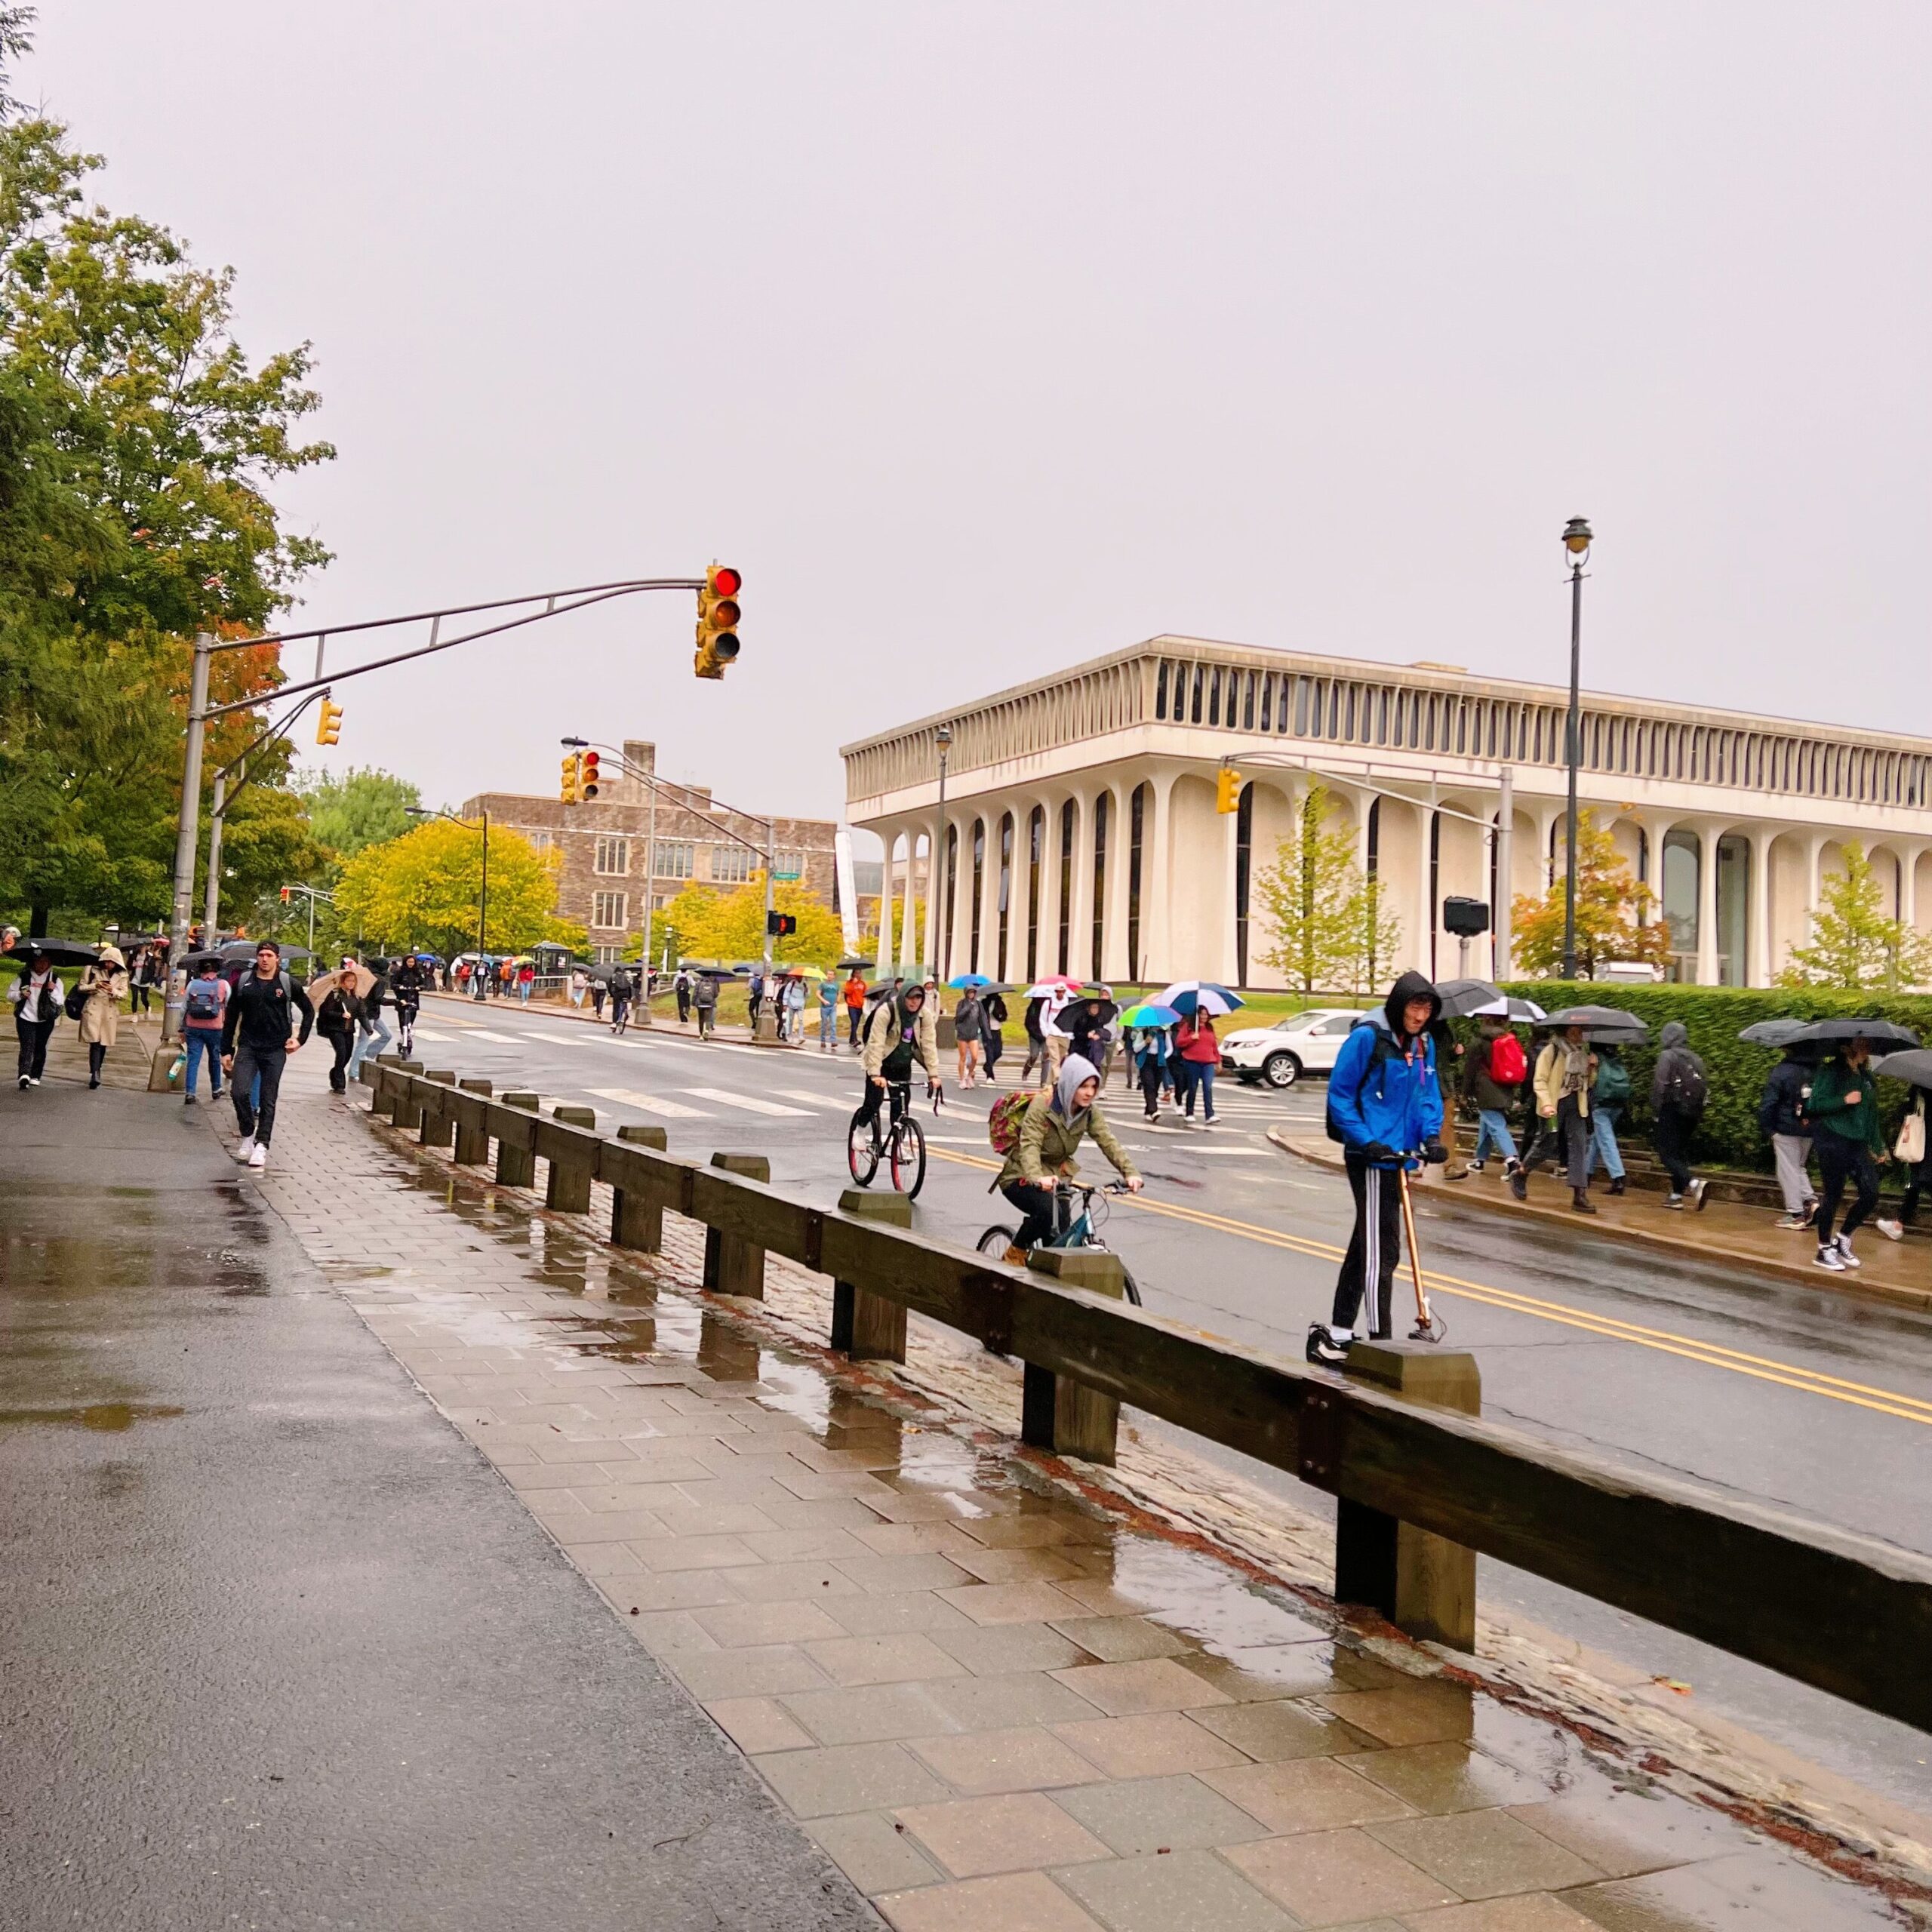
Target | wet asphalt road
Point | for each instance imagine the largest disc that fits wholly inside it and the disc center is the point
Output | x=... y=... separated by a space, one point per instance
x=1812 y=1400
x=280 y=1650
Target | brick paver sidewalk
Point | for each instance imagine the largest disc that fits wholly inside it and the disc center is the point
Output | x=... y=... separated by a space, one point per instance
x=998 y=1709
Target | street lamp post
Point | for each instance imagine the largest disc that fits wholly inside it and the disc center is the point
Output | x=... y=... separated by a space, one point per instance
x=1576 y=535
x=936 y=881
x=483 y=896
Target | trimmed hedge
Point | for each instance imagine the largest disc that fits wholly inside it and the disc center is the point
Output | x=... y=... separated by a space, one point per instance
x=1714 y=1016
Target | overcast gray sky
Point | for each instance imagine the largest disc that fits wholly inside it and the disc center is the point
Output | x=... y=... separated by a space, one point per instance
x=985 y=338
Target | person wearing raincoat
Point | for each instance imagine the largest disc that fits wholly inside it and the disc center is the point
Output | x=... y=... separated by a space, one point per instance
x=902 y=1029
x=103 y=983
x=1055 y=1126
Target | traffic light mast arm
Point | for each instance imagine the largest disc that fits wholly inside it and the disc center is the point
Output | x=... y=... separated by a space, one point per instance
x=554 y=604
x=659 y=786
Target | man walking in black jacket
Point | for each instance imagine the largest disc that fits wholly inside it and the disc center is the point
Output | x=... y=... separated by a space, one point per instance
x=256 y=1043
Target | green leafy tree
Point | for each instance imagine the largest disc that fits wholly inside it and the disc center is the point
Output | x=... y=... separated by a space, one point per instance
x=1615 y=916
x=1331 y=928
x=423 y=890
x=1853 y=944
x=709 y=924
x=137 y=444
x=364 y=807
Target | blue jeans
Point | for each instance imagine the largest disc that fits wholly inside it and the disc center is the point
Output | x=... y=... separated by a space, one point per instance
x=200 y=1040
x=1603 y=1143
x=1493 y=1131
x=1201 y=1081
x=373 y=1038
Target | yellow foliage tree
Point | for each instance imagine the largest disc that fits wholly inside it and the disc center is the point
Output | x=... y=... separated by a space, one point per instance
x=705 y=924
x=1615 y=914
x=424 y=890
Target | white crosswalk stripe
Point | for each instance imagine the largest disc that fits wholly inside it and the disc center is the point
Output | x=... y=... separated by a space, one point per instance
x=815 y=1099
x=501 y=1039
x=745 y=1102
x=424 y=1033
x=649 y=1103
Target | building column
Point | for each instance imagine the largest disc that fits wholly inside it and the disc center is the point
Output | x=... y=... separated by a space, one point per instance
x=891 y=837
x=935 y=887
x=1080 y=964
x=1120 y=835
x=1814 y=884
x=1908 y=887
x=1157 y=886
x=1708 y=835
x=908 y=927
x=1758 y=945
x=992 y=811
x=1050 y=888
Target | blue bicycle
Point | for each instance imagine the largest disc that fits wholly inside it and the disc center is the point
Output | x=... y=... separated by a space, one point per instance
x=1070 y=1230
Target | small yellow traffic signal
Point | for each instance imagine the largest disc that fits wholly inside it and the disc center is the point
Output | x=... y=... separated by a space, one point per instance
x=717 y=621
x=587 y=764
x=286 y=895
x=570 y=790
x=1227 y=790
x=328 y=723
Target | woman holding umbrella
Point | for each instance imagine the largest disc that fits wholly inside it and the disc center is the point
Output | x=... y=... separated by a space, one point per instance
x=36 y=996
x=1198 y=1051
x=992 y=1039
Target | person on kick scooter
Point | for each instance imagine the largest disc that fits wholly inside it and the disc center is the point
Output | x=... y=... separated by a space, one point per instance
x=1385 y=1107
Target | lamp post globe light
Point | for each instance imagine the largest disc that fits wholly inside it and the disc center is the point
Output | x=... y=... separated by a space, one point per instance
x=1577 y=539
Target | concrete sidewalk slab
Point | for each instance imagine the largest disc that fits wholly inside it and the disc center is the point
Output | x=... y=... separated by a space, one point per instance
x=996 y=1705
x=1725 y=1232
x=281 y=1649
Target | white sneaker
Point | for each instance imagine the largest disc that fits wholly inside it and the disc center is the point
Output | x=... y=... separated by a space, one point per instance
x=1891 y=1230
x=258 y=1158
x=245 y=1149
x=1845 y=1254
x=1830 y=1258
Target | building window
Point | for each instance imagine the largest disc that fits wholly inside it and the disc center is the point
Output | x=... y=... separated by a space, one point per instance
x=675 y=859
x=608 y=955
x=1200 y=685
x=789 y=865
x=1135 y=834
x=1161 y=690
x=1005 y=903
x=1243 y=856
x=978 y=878
x=1733 y=887
x=1036 y=850
x=606 y=909
x=1065 y=882
x=1214 y=698
x=730 y=865
x=1681 y=857
x=1100 y=878
x=1267 y=700
x=613 y=856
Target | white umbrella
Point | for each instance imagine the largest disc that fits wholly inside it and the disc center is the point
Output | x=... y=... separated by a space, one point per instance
x=1510 y=1007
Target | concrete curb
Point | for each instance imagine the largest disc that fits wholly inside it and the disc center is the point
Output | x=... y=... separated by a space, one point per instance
x=1507 y=1206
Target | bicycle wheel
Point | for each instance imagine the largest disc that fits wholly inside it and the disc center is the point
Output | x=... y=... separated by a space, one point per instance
x=1133 y=1286
x=909 y=1158
x=862 y=1149
x=996 y=1240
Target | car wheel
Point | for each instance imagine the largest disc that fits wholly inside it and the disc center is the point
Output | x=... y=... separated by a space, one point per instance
x=1280 y=1070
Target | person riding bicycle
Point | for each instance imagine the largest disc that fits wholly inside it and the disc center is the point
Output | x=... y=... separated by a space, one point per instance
x=899 y=1030
x=1054 y=1128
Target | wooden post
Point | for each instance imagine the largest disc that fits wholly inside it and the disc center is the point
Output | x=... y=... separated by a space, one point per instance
x=472 y=1144
x=1424 y=1584
x=516 y=1167
x=568 y=1188
x=732 y=1265
x=869 y=1328
x=408 y=1114
x=1056 y=1412
x=637 y=1217
x=439 y=1129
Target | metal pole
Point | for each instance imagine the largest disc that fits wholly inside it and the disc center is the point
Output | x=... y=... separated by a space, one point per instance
x=936 y=883
x=1506 y=829
x=312 y=929
x=483 y=898
x=770 y=860
x=650 y=882
x=1575 y=748
x=188 y=832
x=211 y=892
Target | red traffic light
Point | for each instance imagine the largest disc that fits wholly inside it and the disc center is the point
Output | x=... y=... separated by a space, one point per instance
x=725 y=582
x=587 y=775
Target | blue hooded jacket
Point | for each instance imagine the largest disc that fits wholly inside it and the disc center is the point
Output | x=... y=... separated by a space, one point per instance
x=1378 y=1091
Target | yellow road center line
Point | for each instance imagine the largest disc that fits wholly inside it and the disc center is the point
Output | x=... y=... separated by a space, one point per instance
x=1711 y=1354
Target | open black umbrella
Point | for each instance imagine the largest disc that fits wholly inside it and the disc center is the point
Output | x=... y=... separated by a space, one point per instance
x=59 y=952
x=1461 y=997
x=246 y=948
x=1603 y=1026
x=1772 y=1032
x=1881 y=1033
x=1914 y=1064
x=852 y=962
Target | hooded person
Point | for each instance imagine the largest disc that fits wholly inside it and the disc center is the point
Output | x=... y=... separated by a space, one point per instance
x=1565 y=1073
x=1846 y=1136
x=902 y=1028
x=1385 y=1107
x=1056 y=1124
x=1782 y=1119
x=1679 y=1087
x=102 y=986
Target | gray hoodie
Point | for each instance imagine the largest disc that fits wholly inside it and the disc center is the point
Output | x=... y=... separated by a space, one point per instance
x=1675 y=1065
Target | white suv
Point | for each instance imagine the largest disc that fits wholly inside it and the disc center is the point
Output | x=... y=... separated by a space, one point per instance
x=1280 y=1054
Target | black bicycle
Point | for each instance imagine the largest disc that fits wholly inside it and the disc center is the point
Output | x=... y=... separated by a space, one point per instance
x=1071 y=1230
x=901 y=1144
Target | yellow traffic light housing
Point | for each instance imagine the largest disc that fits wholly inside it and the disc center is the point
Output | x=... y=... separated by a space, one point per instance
x=571 y=787
x=1227 y=790
x=328 y=723
x=587 y=765
x=718 y=615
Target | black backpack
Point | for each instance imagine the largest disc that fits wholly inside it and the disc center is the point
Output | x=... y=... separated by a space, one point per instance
x=1383 y=1051
x=1689 y=1090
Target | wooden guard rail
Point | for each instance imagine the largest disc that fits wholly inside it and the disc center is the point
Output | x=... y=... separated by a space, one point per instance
x=1845 y=1613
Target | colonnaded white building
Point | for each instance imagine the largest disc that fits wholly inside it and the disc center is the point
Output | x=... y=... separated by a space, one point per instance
x=1080 y=834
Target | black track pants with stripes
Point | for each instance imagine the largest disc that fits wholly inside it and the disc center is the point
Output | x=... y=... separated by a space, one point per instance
x=1374 y=1248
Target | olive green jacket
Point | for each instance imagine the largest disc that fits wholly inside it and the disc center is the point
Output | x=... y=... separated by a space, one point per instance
x=1047 y=1142
x=881 y=1034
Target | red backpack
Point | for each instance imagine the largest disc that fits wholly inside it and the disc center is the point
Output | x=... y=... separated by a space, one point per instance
x=1507 y=1066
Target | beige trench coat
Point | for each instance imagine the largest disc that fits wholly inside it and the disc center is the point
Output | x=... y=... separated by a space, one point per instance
x=104 y=983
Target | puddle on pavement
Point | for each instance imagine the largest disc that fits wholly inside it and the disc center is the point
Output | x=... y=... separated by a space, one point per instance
x=108 y=1418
